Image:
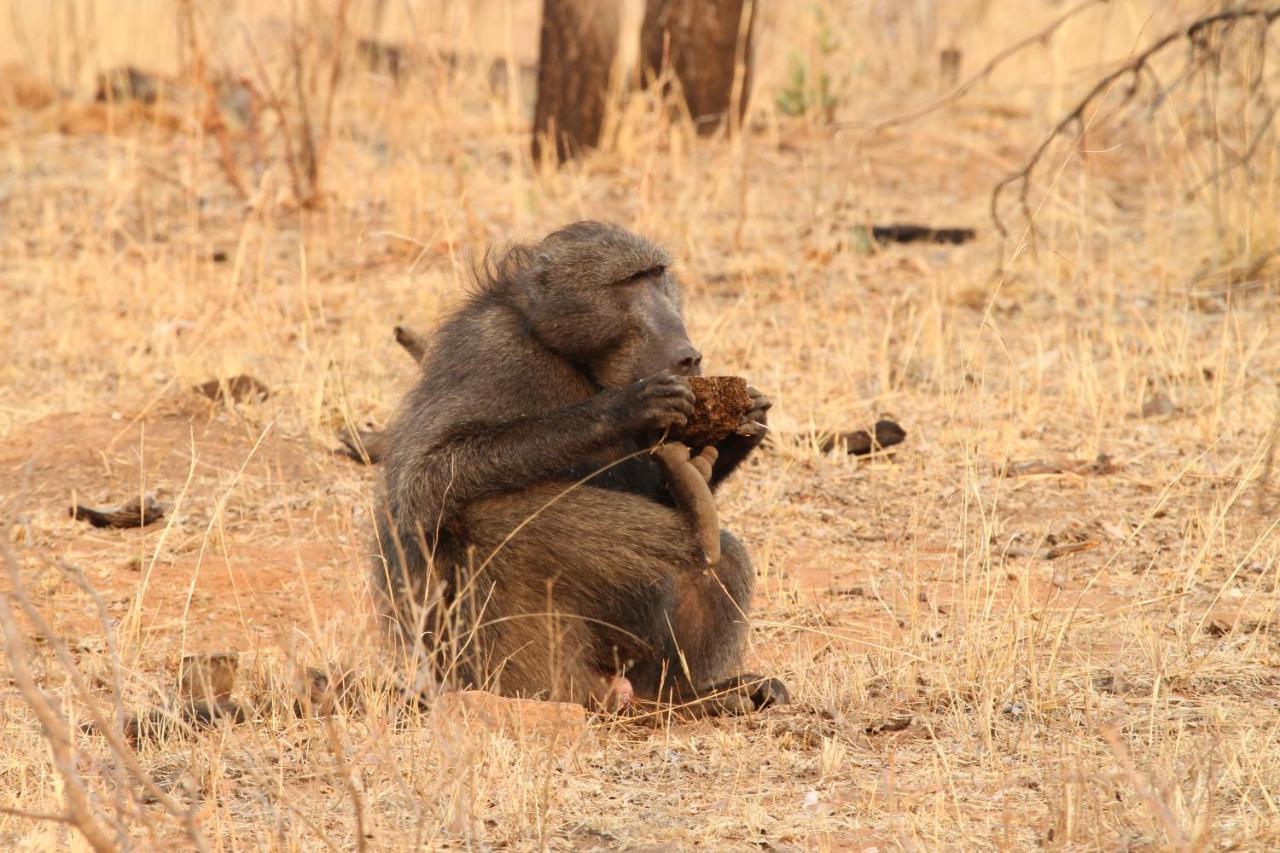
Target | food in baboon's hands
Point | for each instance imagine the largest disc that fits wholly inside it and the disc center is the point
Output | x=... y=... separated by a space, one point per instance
x=722 y=406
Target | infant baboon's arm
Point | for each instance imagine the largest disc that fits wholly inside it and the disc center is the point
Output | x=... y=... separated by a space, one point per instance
x=688 y=480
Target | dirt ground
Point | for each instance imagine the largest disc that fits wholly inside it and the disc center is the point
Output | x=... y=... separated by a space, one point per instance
x=1047 y=619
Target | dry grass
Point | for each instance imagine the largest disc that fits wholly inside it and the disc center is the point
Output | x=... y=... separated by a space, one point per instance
x=950 y=691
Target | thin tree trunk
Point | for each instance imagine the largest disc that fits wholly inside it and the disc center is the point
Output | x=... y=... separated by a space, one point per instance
x=705 y=45
x=578 y=46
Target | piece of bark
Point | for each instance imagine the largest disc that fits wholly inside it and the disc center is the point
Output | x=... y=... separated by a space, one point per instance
x=1101 y=465
x=1051 y=551
x=236 y=389
x=860 y=442
x=907 y=232
x=720 y=404
x=139 y=513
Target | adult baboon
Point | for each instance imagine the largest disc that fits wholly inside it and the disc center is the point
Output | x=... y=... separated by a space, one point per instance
x=568 y=363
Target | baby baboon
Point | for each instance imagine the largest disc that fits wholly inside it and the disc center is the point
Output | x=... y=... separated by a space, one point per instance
x=567 y=364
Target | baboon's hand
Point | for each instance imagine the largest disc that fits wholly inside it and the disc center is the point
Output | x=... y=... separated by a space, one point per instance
x=755 y=421
x=658 y=403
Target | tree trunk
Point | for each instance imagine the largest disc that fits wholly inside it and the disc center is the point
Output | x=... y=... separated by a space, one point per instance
x=578 y=46
x=701 y=44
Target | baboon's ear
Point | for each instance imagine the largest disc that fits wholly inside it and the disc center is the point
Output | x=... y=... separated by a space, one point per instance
x=540 y=271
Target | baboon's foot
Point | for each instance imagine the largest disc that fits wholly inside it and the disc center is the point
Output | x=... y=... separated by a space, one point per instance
x=742 y=694
x=616 y=694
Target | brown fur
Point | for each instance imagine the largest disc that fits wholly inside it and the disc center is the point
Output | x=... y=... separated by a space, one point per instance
x=570 y=358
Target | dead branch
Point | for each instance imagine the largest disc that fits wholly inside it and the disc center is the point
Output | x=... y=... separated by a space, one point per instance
x=1196 y=34
x=335 y=69
x=1242 y=159
x=343 y=770
x=80 y=812
x=212 y=119
x=1142 y=784
x=276 y=105
x=1039 y=37
x=1268 y=464
x=42 y=816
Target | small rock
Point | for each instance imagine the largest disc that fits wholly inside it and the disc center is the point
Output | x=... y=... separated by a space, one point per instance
x=1217 y=627
x=889 y=724
x=235 y=389
x=1158 y=406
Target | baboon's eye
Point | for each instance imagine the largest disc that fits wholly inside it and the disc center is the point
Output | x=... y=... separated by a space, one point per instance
x=655 y=271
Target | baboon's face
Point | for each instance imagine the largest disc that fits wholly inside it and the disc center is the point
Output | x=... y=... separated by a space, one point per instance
x=619 y=330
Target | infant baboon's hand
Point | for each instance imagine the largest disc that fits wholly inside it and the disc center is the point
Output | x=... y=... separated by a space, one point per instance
x=660 y=402
x=755 y=421
x=705 y=461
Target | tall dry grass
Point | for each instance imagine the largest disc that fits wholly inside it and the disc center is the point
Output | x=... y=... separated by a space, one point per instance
x=951 y=691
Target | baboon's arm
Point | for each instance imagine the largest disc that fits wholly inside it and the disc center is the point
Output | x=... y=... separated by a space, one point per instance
x=431 y=477
x=476 y=460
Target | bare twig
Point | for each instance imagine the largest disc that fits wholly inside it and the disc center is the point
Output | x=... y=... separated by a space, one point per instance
x=1039 y=37
x=348 y=781
x=276 y=105
x=1244 y=158
x=307 y=194
x=1196 y=33
x=212 y=118
x=335 y=69
x=77 y=576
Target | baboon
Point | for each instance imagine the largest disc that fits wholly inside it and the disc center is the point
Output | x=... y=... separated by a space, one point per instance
x=529 y=538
